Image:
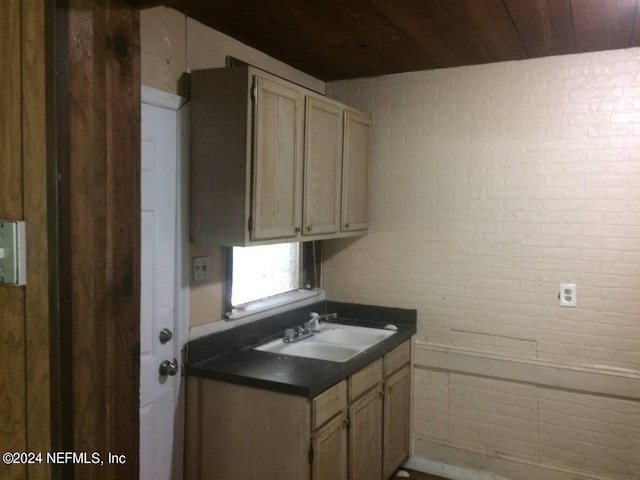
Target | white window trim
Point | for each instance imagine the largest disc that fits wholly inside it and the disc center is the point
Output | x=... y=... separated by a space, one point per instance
x=258 y=310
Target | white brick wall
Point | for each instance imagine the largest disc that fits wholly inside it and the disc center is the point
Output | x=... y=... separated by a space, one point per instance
x=491 y=185
x=592 y=433
x=573 y=431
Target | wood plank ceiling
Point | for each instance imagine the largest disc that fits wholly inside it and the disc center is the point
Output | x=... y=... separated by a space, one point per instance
x=339 y=39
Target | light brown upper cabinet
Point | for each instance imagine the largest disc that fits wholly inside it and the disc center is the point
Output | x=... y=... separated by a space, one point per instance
x=355 y=171
x=268 y=159
x=322 y=166
x=247 y=134
x=277 y=160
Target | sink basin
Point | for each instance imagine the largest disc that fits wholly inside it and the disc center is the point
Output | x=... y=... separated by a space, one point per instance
x=311 y=349
x=353 y=336
x=334 y=342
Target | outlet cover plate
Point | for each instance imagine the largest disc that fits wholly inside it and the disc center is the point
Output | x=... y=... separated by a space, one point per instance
x=201 y=268
x=568 y=295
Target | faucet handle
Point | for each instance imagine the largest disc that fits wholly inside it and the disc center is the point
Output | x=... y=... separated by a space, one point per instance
x=313 y=325
x=315 y=315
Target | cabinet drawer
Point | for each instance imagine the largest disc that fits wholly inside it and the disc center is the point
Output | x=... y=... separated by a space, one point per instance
x=365 y=379
x=328 y=404
x=397 y=357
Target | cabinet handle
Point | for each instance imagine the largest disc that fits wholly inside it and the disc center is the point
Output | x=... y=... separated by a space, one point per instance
x=309 y=228
x=346 y=225
x=297 y=229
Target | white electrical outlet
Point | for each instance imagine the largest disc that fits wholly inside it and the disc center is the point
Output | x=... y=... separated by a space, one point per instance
x=201 y=268
x=568 y=295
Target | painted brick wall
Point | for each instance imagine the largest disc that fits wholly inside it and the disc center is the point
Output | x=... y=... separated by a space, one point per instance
x=491 y=185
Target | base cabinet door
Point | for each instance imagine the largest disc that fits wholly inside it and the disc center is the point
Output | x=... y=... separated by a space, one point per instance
x=365 y=437
x=397 y=400
x=238 y=432
x=329 y=451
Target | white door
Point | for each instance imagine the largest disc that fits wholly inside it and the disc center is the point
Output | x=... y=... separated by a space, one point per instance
x=157 y=302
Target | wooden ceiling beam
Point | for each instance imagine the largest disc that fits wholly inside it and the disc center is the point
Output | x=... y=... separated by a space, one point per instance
x=487 y=25
x=285 y=33
x=635 y=34
x=431 y=29
x=603 y=25
x=337 y=39
x=545 y=26
x=152 y=3
x=365 y=28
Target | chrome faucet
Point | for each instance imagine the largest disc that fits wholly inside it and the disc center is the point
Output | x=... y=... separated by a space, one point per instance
x=292 y=335
x=313 y=325
x=307 y=329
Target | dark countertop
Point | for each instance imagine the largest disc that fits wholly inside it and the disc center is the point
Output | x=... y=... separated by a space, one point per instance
x=297 y=375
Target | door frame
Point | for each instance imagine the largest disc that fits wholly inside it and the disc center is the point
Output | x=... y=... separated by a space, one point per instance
x=178 y=104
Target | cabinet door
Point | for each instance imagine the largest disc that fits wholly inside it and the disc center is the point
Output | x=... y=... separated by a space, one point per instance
x=322 y=167
x=277 y=160
x=365 y=437
x=397 y=400
x=355 y=172
x=329 y=445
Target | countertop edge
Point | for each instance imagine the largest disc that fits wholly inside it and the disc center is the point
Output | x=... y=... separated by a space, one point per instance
x=322 y=374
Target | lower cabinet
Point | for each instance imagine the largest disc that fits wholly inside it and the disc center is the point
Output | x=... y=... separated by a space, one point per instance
x=359 y=429
x=365 y=423
x=239 y=432
x=397 y=427
x=379 y=416
x=329 y=451
x=397 y=405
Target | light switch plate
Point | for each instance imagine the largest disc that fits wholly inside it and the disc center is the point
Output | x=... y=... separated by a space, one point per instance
x=201 y=268
x=13 y=253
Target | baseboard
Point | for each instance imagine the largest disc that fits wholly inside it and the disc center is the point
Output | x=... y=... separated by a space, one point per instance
x=424 y=465
x=457 y=464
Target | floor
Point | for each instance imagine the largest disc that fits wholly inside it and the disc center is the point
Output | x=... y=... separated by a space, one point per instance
x=418 y=476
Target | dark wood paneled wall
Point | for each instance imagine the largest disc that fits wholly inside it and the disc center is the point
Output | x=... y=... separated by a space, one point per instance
x=13 y=435
x=69 y=167
x=102 y=229
x=37 y=207
x=24 y=311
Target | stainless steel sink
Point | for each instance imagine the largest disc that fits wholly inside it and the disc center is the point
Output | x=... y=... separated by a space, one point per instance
x=334 y=342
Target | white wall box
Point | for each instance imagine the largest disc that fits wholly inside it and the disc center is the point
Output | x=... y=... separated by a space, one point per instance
x=268 y=159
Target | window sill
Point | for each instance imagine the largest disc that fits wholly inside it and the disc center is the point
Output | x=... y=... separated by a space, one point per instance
x=258 y=310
